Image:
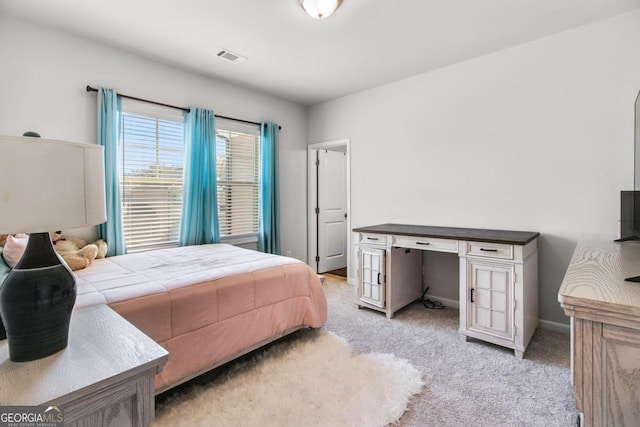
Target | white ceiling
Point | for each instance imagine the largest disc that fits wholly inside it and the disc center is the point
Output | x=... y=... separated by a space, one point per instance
x=366 y=43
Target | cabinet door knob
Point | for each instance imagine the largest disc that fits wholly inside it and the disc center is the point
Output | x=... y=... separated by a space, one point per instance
x=473 y=295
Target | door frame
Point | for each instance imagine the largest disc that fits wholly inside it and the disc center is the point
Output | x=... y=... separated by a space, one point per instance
x=312 y=190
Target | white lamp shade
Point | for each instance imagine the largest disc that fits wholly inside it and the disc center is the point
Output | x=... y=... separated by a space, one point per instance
x=47 y=185
x=320 y=9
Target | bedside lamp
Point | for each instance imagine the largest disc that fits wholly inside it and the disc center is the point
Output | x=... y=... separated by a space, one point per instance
x=45 y=185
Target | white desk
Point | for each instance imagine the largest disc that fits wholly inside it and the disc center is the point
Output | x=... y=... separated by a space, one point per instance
x=498 y=276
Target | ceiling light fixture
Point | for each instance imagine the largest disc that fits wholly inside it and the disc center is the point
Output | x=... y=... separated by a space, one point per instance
x=320 y=9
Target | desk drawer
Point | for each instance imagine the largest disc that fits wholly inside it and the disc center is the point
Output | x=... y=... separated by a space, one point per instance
x=373 y=239
x=490 y=250
x=426 y=243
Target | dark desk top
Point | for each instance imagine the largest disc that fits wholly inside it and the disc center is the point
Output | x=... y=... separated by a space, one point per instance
x=455 y=233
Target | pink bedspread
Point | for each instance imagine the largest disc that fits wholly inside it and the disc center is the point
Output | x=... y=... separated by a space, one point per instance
x=205 y=304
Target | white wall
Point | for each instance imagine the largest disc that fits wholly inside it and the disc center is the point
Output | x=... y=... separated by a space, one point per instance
x=538 y=137
x=43 y=74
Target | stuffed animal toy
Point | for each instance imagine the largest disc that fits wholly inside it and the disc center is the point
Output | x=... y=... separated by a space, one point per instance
x=76 y=252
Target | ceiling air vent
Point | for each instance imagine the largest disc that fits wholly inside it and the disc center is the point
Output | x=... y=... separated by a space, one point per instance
x=230 y=56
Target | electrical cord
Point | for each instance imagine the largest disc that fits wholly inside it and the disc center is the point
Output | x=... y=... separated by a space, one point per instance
x=429 y=303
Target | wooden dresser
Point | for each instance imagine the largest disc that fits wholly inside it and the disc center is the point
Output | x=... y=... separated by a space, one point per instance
x=605 y=330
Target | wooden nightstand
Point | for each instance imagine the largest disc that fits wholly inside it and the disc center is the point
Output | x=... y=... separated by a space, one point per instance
x=105 y=376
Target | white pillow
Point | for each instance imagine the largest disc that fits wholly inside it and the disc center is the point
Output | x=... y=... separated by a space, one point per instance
x=14 y=248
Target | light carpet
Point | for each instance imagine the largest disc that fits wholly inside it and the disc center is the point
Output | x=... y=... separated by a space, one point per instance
x=313 y=379
x=470 y=383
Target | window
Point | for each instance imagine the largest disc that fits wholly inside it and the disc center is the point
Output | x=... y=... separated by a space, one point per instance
x=151 y=167
x=151 y=163
x=237 y=164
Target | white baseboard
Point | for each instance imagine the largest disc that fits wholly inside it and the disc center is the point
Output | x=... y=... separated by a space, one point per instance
x=545 y=324
x=555 y=326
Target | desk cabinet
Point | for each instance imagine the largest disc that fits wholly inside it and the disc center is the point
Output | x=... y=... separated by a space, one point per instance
x=372 y=276
x=490 y=306
x=498 y=286
x=499 y=293
x=381 y=265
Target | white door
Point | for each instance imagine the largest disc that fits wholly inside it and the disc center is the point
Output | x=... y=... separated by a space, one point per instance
x=332 y=210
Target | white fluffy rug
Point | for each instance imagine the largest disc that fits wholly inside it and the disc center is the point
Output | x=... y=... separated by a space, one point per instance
x=314 y=380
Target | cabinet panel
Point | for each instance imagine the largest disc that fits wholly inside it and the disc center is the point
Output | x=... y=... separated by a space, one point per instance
x=621 y=376
x=120 y=415
x=490 y=308
x=372 y=276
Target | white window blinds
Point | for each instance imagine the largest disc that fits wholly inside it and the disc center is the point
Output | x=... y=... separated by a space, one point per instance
x=237 y=164
x=152 y=158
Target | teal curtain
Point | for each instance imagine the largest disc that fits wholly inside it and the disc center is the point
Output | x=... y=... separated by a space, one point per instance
x=268 y=197
x=109 y=113
x=199 y=220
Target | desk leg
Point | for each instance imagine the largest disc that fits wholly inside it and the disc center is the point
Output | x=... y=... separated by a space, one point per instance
x=463 y=338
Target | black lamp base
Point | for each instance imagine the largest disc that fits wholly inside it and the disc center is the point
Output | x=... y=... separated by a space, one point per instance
x=36 y=301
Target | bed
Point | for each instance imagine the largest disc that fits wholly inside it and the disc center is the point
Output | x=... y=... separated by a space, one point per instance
x=206 y=304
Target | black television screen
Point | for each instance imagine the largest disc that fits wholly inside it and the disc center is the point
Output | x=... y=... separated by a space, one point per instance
x=630 y=200
x=636 y=162
x=635 y=214
x=636 y=227
x=627 y=209
x=635 y=205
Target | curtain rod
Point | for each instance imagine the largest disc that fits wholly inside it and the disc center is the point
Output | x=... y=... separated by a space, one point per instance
x=92 y=89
